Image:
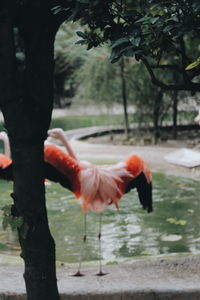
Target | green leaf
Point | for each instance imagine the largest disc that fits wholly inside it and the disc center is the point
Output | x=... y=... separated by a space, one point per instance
x=119 y=42
x=182 y=222
x=154 y=20
x=115 y=55
x=10 y=220
x=81 y=42
x=114 y=60
x=16 y=222
x=5 y=223
x=135 y=41
x=168 y=28
x=7 y=210
x=144 y=19
x=193 y=65
x=84 y=1
x=81 y=34
x=90 y=45
x=127 y=51
x=171 y=220
x=176 y=221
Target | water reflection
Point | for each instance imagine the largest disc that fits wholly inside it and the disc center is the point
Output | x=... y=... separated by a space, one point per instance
x=172 y=227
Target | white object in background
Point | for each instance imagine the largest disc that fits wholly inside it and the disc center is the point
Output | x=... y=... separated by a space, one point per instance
x=197 y=119
x=184 y=157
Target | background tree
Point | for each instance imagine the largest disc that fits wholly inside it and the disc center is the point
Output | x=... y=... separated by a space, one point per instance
x=163 y=35
x=68 y=58
x=157 y=32
x=150 y=103
x=102 y=82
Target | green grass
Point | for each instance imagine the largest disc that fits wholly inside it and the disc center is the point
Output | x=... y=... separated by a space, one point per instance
x=182 y=116
x=187 y=116
x=73 y=122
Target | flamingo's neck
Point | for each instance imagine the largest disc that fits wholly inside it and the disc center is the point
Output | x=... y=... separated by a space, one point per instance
x=5 y=140
x=68 y=147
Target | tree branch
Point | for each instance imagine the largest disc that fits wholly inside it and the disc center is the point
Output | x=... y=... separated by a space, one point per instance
x=186 y=86
x=172 y=67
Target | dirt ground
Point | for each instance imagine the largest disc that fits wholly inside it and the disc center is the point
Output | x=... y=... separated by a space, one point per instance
x=163 y=278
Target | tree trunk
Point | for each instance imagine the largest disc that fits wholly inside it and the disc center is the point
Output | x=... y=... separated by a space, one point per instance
x=157 y=105
x=38 y=249
x=124 y=98
x=26 y=101
x=175 y=113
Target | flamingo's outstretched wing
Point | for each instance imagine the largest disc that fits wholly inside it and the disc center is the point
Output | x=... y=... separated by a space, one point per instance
x=144 y=190
x=7 y=173
x=53 y=174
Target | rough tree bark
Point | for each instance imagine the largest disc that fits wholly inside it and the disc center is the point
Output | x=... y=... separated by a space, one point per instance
x=26 y=101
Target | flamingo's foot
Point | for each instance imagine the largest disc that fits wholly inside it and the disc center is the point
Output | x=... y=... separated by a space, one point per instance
x=78 y=274
x=101 y=273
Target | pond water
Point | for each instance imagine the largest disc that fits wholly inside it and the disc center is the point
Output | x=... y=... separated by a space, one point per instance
x=173 y=227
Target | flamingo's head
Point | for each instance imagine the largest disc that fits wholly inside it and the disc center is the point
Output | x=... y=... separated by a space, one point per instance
x=56 y=133
x=3 y=135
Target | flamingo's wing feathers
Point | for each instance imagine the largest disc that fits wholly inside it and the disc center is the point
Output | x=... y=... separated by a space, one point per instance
x=53 y=174
x=144 y=190
x=7 y=173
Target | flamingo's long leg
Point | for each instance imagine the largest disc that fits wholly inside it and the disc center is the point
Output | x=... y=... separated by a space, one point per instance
x=78 y=273
x=100 y=273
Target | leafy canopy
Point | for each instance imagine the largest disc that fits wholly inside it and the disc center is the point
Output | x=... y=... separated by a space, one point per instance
x=144 y=27
x=158 y=32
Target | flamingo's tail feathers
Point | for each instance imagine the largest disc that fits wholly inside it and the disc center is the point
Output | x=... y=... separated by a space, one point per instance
x=99 y=186
x=144 y=189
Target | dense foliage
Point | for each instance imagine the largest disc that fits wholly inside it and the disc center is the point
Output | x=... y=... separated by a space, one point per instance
x=159 y=33
x=68 y=58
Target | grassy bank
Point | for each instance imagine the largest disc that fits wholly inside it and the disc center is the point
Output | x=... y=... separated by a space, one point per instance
x=73 y=122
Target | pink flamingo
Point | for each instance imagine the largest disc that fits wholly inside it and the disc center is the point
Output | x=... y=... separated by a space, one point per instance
x=100 y=186
x=96 y=186
x=5 y=159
